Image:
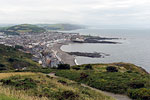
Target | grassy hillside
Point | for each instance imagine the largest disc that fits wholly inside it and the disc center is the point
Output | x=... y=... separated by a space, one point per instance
x=122 y=78
x=11 y=58
x=61 y=26
x=4 y=97
x=23 y=28
x=37 y=86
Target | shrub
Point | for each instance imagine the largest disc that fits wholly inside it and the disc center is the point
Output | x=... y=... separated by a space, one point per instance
x=19 y=47
x=46 y=92
x=85 y=91
x=136 y=85
x=48 y=76
x=68 y=95
x=25 y=84
x=11 y=60
x=63 y=66
x=76 y=67
x=129 y=71
x=83 y=75
x=111 y=69
x=139 y=94
x=62 y=82
x=86 y=67
x=2 y=67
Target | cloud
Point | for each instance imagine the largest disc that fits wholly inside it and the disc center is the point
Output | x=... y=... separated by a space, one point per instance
x=90 y=12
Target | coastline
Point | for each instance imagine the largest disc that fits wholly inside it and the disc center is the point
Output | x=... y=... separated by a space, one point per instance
x=64 y=57
x=76 y=62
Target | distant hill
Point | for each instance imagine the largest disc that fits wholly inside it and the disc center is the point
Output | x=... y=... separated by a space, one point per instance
x=23 y=28
x=11 y=58
x=61 y=26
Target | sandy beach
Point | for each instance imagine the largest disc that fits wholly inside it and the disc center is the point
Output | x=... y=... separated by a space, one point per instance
x=63 y=56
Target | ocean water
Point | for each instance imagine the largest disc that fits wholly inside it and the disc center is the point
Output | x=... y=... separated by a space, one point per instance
x=135 y=47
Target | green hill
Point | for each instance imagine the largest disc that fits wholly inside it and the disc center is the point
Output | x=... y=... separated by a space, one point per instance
x=11 y=58
x=61 y=26
x=23 y=28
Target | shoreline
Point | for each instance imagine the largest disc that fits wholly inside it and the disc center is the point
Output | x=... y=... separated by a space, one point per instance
x=70 y=59
x=76 y=62
x=65 y=57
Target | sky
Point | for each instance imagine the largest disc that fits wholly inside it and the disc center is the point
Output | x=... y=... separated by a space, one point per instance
x=100 y=13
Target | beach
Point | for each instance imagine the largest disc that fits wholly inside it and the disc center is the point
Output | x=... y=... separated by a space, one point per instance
x=63 y=56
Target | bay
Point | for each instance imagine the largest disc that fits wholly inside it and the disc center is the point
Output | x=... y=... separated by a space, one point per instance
x=135 y=47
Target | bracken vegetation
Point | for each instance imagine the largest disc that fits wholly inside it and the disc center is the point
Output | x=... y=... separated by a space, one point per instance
x=121 y=78
x=37 y=86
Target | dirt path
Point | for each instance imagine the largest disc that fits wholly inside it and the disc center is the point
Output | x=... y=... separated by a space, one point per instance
x=116 y=96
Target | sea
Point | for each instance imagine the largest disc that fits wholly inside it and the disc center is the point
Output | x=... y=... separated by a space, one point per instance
x=134 y=47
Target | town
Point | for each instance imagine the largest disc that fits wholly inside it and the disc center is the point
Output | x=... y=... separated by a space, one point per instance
x=40 y=45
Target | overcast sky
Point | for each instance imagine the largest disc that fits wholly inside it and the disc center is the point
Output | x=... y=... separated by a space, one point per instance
x=119 y=13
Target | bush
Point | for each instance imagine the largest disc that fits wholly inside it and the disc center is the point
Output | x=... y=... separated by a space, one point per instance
x=45 y=92
x=25 y=84
x=68 y=95
x=2 y=67
x=19 y=47
x=139 y=94
x=86 y=67
x=136 y=85
x=62 y=82
x=111 y=69
x=76 y=67
x=11 y=60
x=63 y=66
x=83 y=75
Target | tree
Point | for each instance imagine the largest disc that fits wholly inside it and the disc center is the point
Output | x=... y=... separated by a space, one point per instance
x=89 y=66
x=19 y=47
x=2 y=67
x=111 y=69
x=63 y=66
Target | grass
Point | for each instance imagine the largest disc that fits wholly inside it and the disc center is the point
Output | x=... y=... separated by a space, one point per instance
x=129 y=79
x=12 y=92
x=23 y=28
x=60 y=26
x=6 y=75
x=4 y=97
x=47 y=88
x=18 y=94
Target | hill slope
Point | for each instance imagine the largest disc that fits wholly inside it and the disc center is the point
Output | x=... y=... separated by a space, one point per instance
x=11 y=58
x=61 y=26
x=23 y=28
x=36 y=86
x=121 y=78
